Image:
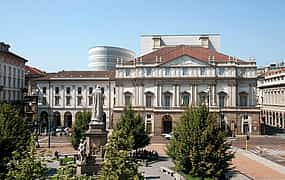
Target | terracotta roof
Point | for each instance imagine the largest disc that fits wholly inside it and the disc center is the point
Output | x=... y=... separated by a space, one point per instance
x=168 y=54
x=33 y=70
x=13 y=55
x=78 y=74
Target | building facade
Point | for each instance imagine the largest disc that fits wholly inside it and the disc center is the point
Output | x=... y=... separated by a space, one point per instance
x=159 y=86
x=272 y=98
x=173 y=73
x=62 y=95
x=12 y=75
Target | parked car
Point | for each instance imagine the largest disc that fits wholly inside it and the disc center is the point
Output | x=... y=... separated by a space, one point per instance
x=60 y=131
x=168 y=135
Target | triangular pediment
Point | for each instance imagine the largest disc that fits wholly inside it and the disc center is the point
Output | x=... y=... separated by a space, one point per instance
x=185 y=61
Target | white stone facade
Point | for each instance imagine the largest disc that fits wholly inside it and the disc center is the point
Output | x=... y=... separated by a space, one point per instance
x=60 y=98
x=272 y=97
x=12 y=75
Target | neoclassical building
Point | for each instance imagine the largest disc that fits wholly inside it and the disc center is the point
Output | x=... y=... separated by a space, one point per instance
x=272 y=97
x=171 y=74
x=63 y=94
x=161 y=84
x=12 y=75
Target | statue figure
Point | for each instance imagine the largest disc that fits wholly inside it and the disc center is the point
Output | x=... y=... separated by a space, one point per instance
x=82 y=151
x=97 y=111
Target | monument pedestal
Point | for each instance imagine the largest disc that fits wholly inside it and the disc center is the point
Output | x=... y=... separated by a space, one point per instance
x=96 y=138
x=91 y=152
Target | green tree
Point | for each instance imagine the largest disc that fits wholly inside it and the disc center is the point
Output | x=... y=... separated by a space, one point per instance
x=25 y=166
x=199 y=147
x=133 y=125
x=15 y=136
x=81 y=125
x=118 y=164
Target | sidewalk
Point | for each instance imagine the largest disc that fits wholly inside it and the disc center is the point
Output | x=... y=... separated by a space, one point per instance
x=256 y=167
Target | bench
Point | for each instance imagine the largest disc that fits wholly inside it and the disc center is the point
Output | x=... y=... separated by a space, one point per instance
x=167 y=170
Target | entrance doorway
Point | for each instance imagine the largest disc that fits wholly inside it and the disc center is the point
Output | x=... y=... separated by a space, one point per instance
x=166 y=124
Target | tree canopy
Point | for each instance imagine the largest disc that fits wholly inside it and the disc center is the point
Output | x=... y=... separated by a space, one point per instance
x=118 y=164
x=15 y=135
x=133 y=125
x=81 y=125
x=199 y=147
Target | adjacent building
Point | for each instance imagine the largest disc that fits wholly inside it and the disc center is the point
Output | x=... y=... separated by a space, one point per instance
x=64 y=94
x=12 y=75
x=271 y=86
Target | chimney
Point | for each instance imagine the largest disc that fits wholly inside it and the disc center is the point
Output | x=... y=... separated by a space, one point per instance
x=4 y=47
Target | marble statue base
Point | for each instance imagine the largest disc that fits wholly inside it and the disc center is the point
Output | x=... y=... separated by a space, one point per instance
x=96 y=138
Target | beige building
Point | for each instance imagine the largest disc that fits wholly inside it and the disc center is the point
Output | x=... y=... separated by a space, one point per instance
x=160 y=84
x=272 y=98
x=12 y=75
x=63 y=94
x=173 y=73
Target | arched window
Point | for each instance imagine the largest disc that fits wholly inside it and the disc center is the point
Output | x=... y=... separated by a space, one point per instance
x=167 y=99
x=68 y=119
x=243 y=96
x=149 y=99
x=185 y=99
x=222 y=99
x=56 y=119
x=128 y=99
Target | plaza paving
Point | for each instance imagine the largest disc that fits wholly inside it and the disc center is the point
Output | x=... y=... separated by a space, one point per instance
x=246 y=165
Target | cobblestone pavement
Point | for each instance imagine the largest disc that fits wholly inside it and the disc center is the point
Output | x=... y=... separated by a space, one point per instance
x=269 y=147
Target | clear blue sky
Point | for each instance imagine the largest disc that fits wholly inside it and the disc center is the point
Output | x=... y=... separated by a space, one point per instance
x=56 y=34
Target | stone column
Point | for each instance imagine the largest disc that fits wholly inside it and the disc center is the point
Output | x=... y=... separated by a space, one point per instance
x=174 y=102
x=233 y=95
x=160 y=95
x=194 y=89
x=178 y=95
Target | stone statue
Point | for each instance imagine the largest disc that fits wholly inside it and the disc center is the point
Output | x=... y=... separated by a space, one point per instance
x=97 y=111
x=82 y=152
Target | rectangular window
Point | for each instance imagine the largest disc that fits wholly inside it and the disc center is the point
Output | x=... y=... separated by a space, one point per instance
x=203 y=71
x=243 y=100
x=185 y=98
x=68 y=90
x=167 y=100
x=148 y=101
x=56 y=100
x=90 y=90
x=90 y=100
x=128 y=72
x=56 y=90
x=221 y=101
x=167 y=71
x=148 y=71
x=68 y=99
x=221 y=71
x=44 y=90
x=79 y=100
x=185 y=71
x=44 y=101
x=128 y=100
x=79 y=90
